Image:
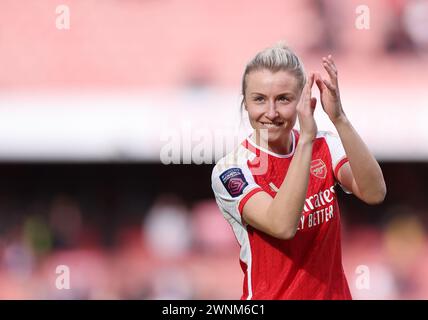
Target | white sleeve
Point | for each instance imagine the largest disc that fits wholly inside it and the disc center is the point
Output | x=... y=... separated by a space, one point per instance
x=232 y=187
x=337 y=152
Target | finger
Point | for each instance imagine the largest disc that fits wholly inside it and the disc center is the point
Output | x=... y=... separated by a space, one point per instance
x=305 y=96
x=329 y=85
x=311 y=79
x=321 y=86
x=309 y=85
x=333 y=65
x=330 y=62
x=327 y=65
x=313 y=104
x=332 y=74
x=318 y=80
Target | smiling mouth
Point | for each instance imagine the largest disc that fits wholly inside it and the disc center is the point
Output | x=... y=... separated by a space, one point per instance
x=270 y=125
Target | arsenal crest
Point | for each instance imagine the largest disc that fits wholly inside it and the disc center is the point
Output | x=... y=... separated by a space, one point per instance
x=318 y=168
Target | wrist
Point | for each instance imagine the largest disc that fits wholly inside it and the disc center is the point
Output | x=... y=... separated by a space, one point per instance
x=342 y=119
x=306 y=140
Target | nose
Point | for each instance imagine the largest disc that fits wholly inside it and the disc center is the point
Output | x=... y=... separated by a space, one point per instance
x=271 y=113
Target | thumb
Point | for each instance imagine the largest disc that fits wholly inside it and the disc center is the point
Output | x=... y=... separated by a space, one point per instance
x=320 y=84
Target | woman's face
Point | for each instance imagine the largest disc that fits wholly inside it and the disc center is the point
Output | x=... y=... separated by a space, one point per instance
x=271 y=99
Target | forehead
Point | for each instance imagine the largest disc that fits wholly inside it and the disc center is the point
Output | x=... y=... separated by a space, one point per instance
x=266 y=81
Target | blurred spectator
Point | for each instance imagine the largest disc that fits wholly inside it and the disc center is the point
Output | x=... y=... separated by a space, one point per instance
x=18 y=260
x=65 y=221
x=37 y=234
x=171 y=282
x=415 y=20
x=211 y=231
x=369 y=275
x=397 y=38
x=166 y=228
x=328 y=24
x=404 y=244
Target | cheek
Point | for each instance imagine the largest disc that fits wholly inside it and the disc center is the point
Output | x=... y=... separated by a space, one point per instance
x=288 y=112
x=254 y=111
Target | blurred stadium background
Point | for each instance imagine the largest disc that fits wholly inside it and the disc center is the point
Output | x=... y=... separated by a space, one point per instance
x=85 y=113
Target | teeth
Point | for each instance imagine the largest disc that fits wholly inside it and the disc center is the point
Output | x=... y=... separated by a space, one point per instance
x=271 y=125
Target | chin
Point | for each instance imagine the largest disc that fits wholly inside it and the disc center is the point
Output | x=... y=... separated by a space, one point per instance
x=274 y=135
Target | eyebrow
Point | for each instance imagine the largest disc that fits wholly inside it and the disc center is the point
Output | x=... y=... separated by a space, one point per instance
x=281 y=94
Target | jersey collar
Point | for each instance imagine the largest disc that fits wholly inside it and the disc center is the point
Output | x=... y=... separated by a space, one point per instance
x=288 y=155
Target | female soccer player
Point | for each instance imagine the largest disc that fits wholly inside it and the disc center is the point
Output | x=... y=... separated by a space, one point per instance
x=277 y=189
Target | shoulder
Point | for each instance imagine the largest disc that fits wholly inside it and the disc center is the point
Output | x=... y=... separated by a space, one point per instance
x=237 y=158
x=331 y=143
x=231 y=175
x=327 y=135
x=323 y=135
x=335 y=148
x=331 y=139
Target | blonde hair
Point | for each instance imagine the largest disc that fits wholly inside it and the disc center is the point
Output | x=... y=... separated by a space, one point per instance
x=276 y=58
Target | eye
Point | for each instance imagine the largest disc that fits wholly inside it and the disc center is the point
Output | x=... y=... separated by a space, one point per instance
x=259 y=99
x=283 y=99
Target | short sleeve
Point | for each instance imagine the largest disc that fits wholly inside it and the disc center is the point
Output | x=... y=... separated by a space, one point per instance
x=337 y=152
x=233 y=187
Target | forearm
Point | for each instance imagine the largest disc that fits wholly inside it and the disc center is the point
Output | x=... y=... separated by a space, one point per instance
x=366 y=170
x=286 y=208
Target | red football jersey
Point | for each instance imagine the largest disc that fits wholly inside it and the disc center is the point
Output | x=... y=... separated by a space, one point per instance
x=309 y=266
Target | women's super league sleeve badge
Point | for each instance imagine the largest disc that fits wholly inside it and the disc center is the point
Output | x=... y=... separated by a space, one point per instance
x=234 y=181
